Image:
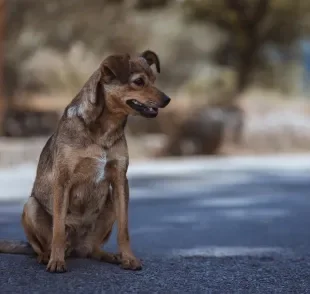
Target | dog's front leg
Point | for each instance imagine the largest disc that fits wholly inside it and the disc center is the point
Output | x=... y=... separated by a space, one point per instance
x=121 y=195
x=60 y=206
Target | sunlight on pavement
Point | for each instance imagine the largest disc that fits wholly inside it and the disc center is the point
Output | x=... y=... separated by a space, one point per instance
x=235 y=201
x=257 y=213
x=216 y=251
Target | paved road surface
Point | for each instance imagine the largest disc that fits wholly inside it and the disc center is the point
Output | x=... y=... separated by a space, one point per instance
x=216 y=226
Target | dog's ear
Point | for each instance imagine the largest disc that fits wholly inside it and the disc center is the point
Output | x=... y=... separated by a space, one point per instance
x=151 y=58
x=116 y=67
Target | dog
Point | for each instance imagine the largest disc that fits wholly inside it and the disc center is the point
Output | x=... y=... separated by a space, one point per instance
x=81 y=187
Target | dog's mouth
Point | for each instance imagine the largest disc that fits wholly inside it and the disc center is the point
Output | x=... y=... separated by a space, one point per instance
x=142 y=108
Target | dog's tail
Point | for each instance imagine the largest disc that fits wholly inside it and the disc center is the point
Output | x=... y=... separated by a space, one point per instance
x=16 y=247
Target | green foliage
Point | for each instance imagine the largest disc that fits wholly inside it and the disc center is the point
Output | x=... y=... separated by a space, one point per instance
x=150 y=4
x=250 y=24
x=33 y=25
x=60 y=23
x=278 y=21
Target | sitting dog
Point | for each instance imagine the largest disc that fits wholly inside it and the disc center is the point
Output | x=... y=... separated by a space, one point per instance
x=81 y=187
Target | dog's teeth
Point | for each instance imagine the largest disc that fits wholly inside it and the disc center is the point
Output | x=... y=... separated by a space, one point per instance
x=137 y=103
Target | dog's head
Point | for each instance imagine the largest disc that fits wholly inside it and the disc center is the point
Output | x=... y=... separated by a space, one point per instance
x=129 y=84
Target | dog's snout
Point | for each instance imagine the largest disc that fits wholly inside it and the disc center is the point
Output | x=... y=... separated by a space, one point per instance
x=165 y=99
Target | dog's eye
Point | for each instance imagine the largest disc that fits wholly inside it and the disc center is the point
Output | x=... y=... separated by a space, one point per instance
x=139 y=82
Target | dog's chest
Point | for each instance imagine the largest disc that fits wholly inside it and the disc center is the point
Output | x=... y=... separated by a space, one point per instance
x=100 y=169
x=86 y=203
x=88 y=197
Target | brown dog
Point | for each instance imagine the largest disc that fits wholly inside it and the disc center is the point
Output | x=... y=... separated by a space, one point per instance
x=81 y=187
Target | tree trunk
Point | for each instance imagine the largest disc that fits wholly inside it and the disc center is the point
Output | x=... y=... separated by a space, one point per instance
x=246 y=61
x=3 y=100
x=250 y=27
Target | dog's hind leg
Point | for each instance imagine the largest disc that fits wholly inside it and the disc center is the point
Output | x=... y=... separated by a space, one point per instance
x=38 y=229
x=102 y=233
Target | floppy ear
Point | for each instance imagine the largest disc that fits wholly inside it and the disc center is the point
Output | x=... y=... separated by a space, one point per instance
x=91 y=88
x=116 y=67
x=89 y=102
x=151 y=58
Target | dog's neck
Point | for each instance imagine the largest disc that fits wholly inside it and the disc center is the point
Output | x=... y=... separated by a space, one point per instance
x=111 y=121
x=110 y=128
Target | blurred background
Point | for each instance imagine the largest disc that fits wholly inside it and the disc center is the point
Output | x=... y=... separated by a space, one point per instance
x=238 y=72
x=206 y=211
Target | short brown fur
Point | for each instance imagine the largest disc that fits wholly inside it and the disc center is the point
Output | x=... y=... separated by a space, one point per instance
x=81 y=187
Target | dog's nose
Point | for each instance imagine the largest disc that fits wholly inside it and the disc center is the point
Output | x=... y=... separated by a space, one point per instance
x=165 y=100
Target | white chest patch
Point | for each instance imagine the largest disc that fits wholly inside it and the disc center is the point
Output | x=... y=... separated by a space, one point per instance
x=102 y=161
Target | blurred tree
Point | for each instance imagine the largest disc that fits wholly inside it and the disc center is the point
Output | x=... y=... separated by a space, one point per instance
x=250 y=24
x=3 y=97
x=58 y=24
x=149 y=4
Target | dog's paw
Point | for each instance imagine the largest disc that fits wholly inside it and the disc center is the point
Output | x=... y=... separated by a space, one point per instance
x=56 y=266
x=109 y=257
x=131 y=263
x=114 y=258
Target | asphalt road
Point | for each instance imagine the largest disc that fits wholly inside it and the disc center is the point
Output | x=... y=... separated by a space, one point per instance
x=223 y=228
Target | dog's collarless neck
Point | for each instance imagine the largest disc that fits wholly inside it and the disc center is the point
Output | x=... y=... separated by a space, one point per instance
x=109 y=129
